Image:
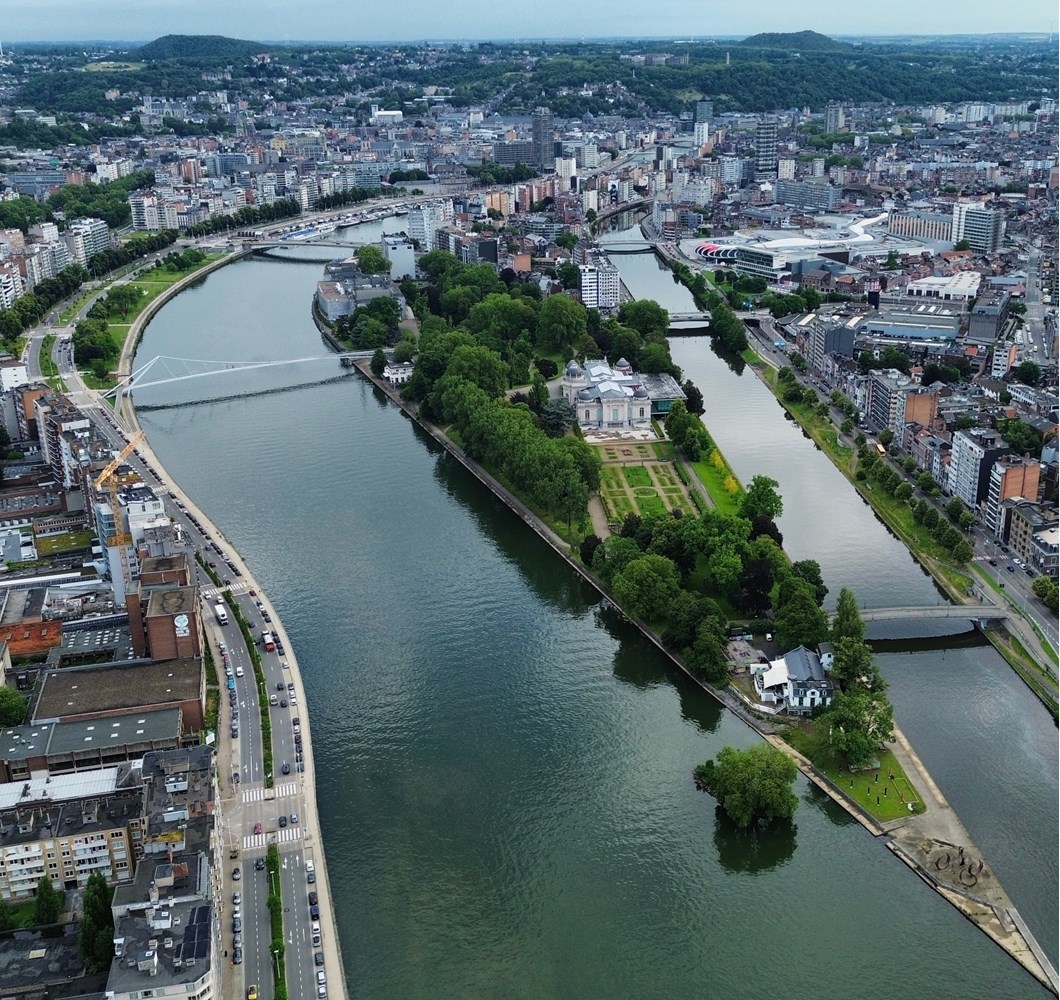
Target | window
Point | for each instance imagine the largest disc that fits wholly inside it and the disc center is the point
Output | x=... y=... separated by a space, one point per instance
x=586 y=414
x=642 y=411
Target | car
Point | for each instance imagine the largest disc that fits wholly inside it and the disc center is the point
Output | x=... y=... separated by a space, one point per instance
x=312 y=899
x=301 y=766
x=285 y=665
x=314 y=912
x=293 y=699
x=290 y=685
x=252 y=992
x=294 y=819
x=280 y=686
x=237 y=925
x=283 y=703
x=286 y=768
x=235 y=777
x=261 y=607
x=237 y=956
x=318 y=958
x=311 y=877
x=253 y=593
x=322 y=993
x=316 y=939
x=297 y=730
x=266 y=617
x=1011 y=568
x=283 y=821
x=259 y=864
x=257 y=828
x=296 y=721
x=993 y=562
x=322 y=977
x=237 y=898
x=236 y=874
x=237 y=911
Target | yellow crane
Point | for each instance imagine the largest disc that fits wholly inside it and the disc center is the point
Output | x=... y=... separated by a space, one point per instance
x=120 y=538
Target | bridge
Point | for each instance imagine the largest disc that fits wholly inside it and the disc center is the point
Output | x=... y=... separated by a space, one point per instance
x=699 y=319
x=264 y=245
x=627 y=248
x=972 y=612
x=183 y=369
x=629 y=206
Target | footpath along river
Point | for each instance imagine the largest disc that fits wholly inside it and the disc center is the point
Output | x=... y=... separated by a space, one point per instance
x=504 y=766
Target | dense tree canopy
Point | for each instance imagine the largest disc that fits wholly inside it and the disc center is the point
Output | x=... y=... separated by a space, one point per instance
x=752 y=784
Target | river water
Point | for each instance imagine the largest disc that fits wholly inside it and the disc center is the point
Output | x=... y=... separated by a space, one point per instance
x=503 y=766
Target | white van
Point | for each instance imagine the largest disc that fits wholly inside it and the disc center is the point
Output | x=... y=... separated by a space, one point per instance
x=239 y=671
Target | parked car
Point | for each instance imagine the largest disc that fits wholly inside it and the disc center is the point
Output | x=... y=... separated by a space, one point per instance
x=318 y=958
x=236 y=874
x=237 y=956
x=312 y=898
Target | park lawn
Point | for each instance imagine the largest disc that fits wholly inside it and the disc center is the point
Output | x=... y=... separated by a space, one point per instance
x=863 y=787
x=714 y=480
x=650 y=504
x=50 y=545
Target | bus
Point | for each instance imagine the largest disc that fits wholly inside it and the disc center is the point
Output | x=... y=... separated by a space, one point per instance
x=268 y=642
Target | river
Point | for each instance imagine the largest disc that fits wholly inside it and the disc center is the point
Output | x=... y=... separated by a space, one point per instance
x=504 y=767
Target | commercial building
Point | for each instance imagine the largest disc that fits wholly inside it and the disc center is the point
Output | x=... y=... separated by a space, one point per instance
x=509 y=153
x=936 y=226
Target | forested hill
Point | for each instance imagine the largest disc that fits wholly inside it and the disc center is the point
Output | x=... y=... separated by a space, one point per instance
x=795 y=41
x=196 y=47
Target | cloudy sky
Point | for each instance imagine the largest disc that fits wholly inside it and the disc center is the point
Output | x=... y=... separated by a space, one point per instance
x=411 y=20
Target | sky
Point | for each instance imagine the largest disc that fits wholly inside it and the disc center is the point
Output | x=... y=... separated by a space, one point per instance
x=414 y=20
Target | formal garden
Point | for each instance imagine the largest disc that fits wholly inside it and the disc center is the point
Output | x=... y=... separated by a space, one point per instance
x=648 y=488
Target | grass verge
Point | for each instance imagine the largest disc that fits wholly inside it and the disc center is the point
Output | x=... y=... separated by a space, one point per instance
x=263 y=690
x=275 y=905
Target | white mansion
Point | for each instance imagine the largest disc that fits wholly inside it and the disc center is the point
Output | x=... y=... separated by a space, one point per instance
x=617 y=398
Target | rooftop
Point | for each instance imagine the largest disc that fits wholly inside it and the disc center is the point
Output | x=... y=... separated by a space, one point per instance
x=55 y=738
x=116 y=687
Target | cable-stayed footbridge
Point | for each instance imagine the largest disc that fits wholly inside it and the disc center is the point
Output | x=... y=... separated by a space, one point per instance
x=166 y=370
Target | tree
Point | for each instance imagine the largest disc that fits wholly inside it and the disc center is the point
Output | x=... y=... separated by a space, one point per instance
x=847 y=623
x=859 y=723
x=762 y=499
x=1028 y=373
x=568 y=274
x=962 y=552
x=588 y=547
x=800 y=622
x=693 y=398
x=954 y=509
x=752 y=784
x=705 y=658
x=810 y=571
x=645 y=316
x=370 y=260
x=122 y=298
x=378 y=363
x=48 y=906
x=96 y=939
x=561 y=324
x=12 y=707
x=1045 y=589
x=404 y=350
x=647 y=586
x=855 y=666
x=7 y=918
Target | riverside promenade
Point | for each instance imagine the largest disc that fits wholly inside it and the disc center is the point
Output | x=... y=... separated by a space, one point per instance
x=312 y=841
x=934 y=844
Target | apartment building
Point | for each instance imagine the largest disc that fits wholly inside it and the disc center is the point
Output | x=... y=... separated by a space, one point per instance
x=973 y=455
x=1011 y=476
x=84 y=238
x=66 y=828
x=982 y=227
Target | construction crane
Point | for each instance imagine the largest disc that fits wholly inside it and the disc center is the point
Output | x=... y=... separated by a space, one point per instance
x=120 y=538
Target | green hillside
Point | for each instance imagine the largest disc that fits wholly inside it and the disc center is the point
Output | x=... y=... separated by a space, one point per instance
x=795 y=41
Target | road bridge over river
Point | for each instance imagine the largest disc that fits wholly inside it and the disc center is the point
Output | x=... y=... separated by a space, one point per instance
x=972 y=612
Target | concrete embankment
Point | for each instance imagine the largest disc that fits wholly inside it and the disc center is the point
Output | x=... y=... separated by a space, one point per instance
x=933 y=843
x=312 y=842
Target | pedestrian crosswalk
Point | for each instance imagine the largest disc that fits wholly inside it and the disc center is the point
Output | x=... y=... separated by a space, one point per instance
x=259 y=794
x=236 y=588
x=287 y=835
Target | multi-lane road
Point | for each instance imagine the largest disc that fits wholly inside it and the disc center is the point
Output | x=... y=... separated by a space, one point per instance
x=251 y=813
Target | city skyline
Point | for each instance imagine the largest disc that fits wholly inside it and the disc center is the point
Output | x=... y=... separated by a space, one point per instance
x=275 y=21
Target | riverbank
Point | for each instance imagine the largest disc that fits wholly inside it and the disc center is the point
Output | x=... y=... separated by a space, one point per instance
x=921 y=842
x=1022 y=633
x=313 y=844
